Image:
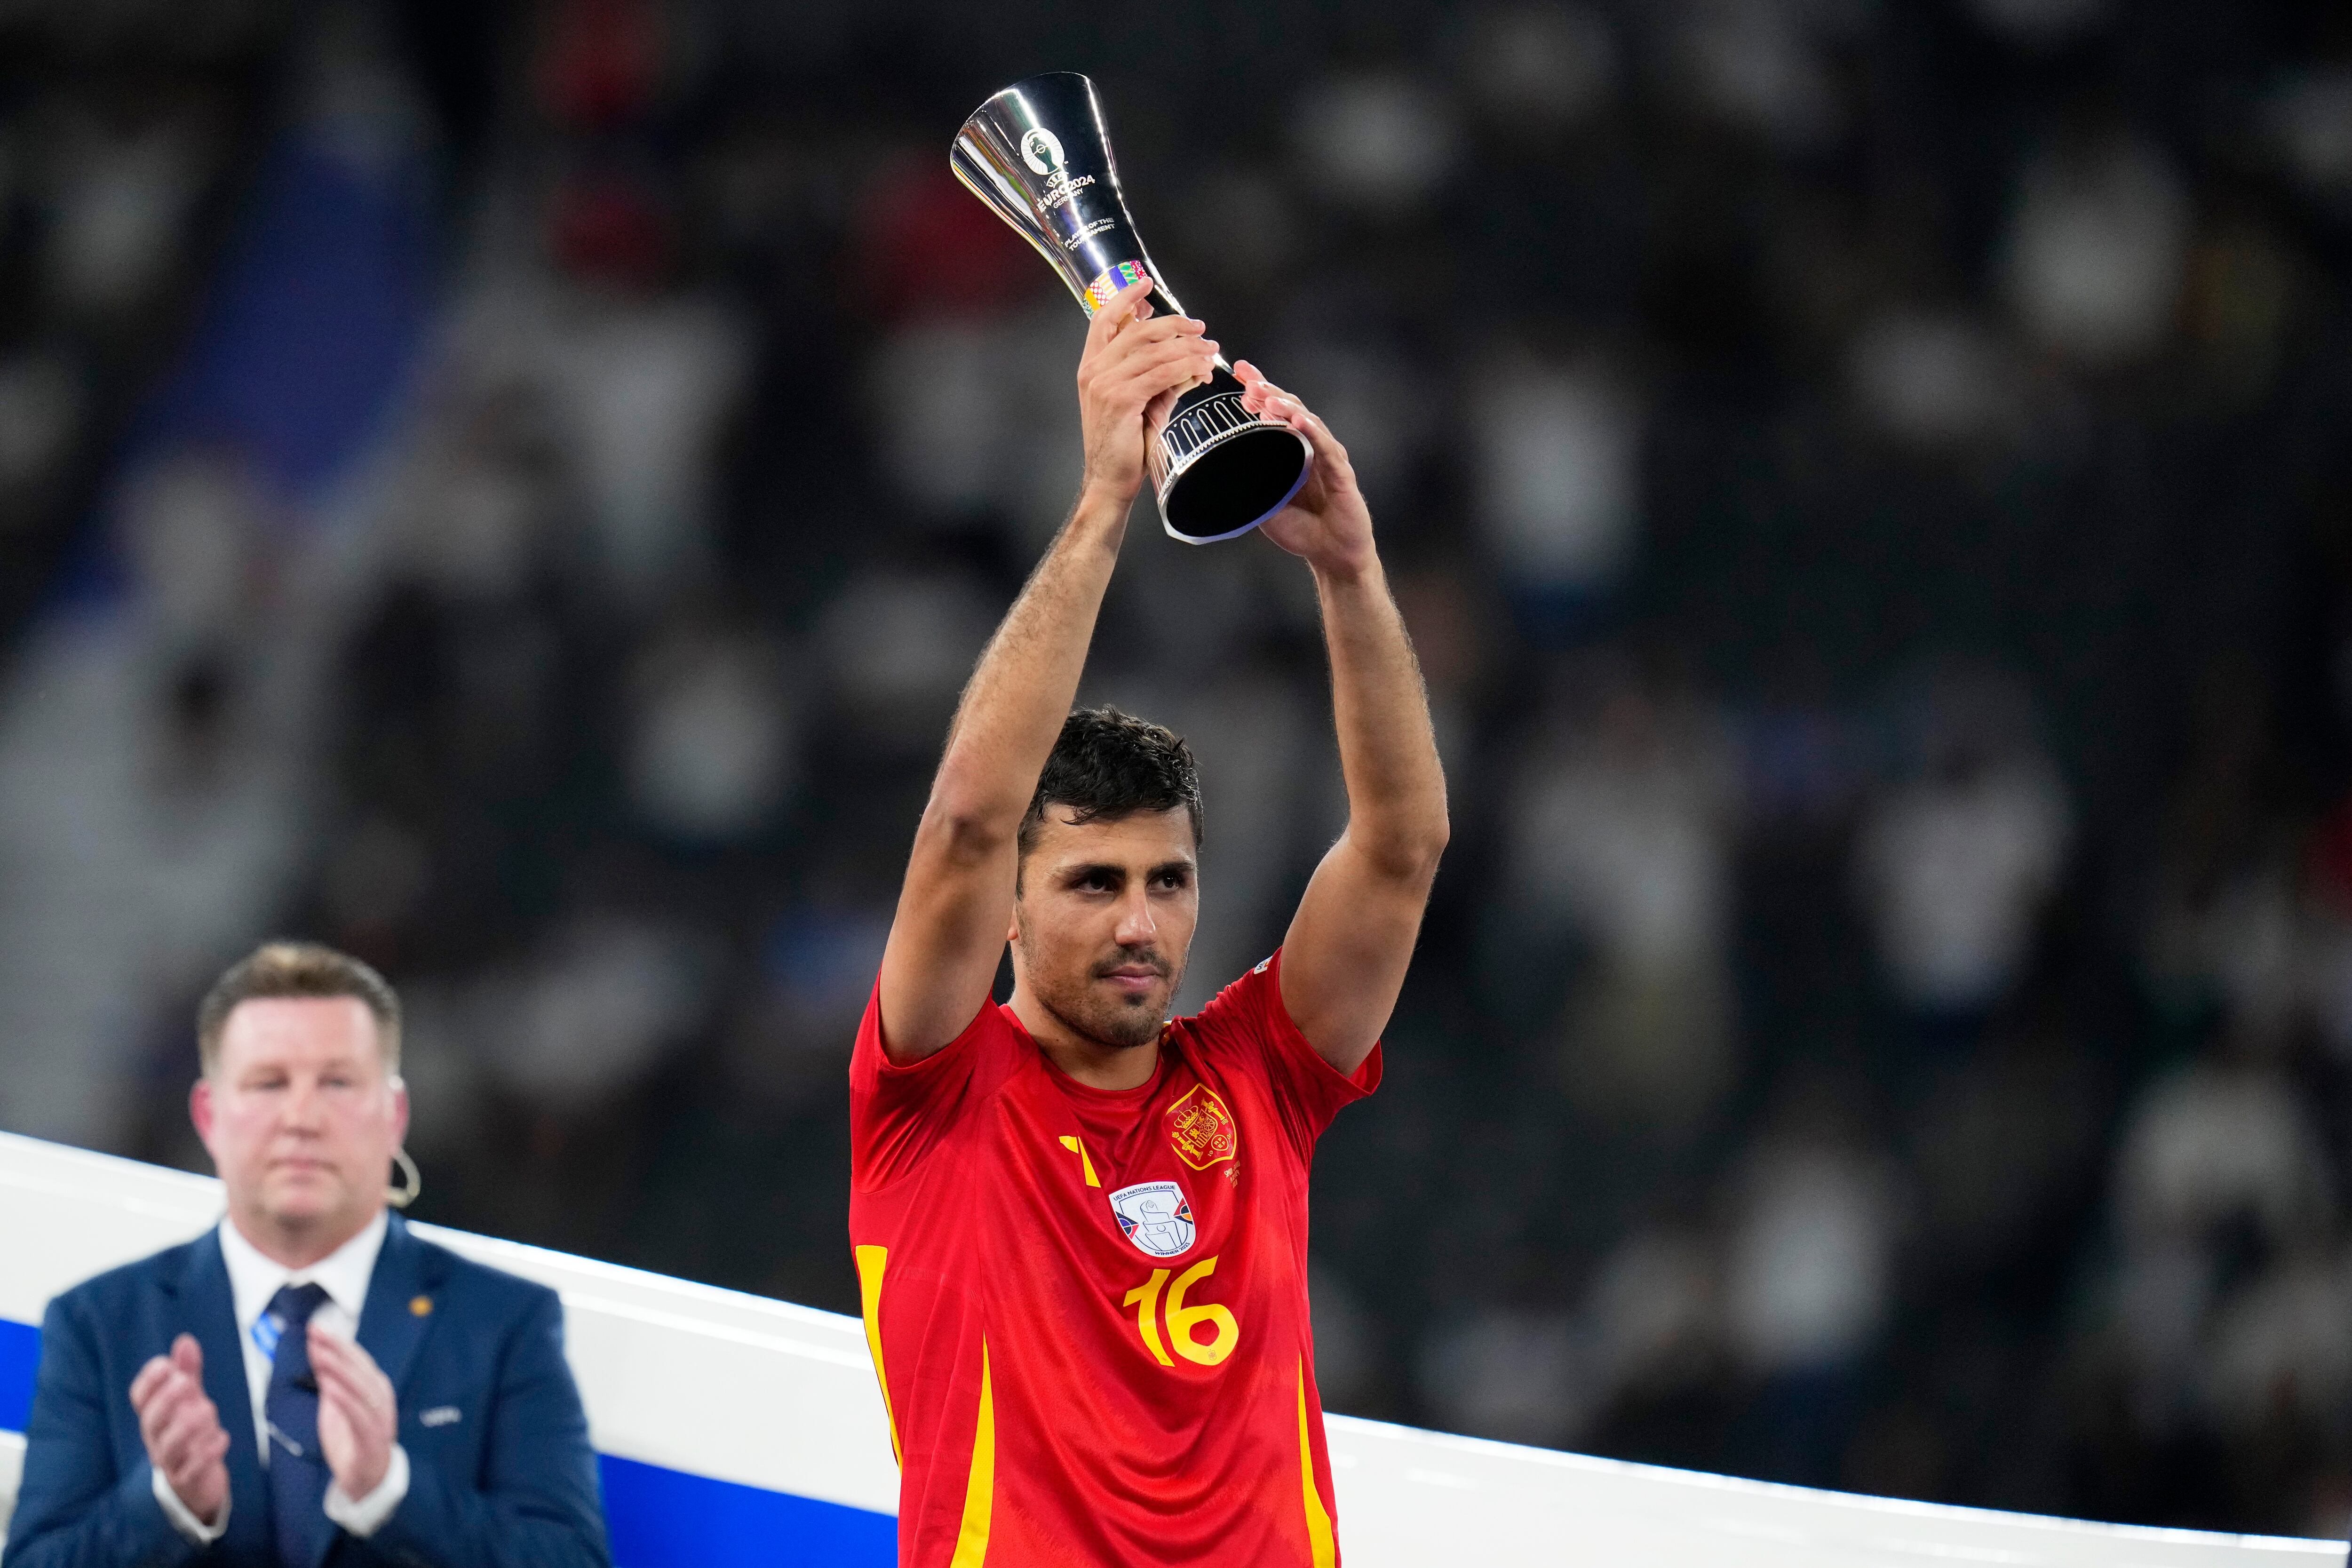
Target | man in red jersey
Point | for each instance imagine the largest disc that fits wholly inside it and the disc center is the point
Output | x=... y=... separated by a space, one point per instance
x=1080 y=1228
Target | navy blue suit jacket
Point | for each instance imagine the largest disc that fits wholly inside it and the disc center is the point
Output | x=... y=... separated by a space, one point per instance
x=510 y=1482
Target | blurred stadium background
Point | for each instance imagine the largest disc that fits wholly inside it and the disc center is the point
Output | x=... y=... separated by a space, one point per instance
x=514 y=492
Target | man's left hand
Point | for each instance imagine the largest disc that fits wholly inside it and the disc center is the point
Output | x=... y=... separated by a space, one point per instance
x=358 y=1418
x=1327 y=522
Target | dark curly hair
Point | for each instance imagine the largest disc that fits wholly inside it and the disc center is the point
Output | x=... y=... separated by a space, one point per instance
x=1106 y=763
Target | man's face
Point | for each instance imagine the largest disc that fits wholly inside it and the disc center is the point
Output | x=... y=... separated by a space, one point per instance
x=300 y=1116
x=1104 y=920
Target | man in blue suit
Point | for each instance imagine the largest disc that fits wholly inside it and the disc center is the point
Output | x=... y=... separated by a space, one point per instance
x=308 y=1383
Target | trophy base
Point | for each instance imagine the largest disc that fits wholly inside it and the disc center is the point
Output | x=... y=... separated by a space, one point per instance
x=1224 y=470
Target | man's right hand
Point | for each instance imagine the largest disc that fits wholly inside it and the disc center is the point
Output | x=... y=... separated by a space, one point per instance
x=182 y=1428
x=1133 y=360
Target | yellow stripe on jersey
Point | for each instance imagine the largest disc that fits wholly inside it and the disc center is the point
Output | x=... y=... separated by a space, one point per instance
x=1077 y=1147
x=1318 y=1523
x=980 y=1487
x=871 y=1262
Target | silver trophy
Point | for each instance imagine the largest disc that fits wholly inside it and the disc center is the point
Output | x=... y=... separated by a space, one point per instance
x=1037 y=153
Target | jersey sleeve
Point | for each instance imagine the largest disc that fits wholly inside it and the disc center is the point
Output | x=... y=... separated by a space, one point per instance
x=899 y=1114
x=1247 y=1020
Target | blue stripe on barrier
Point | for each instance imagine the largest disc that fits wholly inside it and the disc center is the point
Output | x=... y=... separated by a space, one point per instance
x=667 y=1518
x=658 y=1518
x=20 y=1358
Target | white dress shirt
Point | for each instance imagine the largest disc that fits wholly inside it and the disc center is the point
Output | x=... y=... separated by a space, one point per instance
x=253 y=1279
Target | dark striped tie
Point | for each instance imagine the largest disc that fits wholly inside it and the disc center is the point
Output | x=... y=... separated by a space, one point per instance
x=296 y=1478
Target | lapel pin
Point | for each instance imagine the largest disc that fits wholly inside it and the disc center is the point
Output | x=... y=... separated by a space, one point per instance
x=421 y=1306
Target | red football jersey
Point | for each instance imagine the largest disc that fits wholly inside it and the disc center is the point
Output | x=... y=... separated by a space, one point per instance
x=1088 y=1309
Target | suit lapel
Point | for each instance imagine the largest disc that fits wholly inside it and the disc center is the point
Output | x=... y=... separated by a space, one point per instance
x=209 y=1312
x=400 y=1303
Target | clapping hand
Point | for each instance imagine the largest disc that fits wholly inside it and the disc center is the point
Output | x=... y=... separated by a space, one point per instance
x=182 y=1428
x=359 y=1418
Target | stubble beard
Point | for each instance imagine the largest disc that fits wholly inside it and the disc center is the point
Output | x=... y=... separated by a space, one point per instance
x=1122 y=1025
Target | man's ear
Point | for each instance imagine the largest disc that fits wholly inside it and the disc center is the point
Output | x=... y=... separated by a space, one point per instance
x=200 y=1109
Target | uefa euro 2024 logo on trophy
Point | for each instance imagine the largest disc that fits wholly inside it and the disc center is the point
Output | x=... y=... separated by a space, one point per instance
x=1037 y=153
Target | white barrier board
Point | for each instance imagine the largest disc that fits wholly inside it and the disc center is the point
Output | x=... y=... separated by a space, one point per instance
x=735 y=1388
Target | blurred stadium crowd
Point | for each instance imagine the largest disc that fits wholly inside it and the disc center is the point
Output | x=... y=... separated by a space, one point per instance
x=1871 y=484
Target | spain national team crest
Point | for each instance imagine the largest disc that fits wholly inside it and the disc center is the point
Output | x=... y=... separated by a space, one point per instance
x=1155 y=1216
x=1201 y=1128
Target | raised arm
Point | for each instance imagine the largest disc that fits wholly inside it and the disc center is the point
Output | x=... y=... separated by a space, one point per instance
x=957 y=903
x=1352 y=939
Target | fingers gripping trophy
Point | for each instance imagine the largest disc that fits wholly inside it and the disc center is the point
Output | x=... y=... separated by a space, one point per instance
x=1037 y=153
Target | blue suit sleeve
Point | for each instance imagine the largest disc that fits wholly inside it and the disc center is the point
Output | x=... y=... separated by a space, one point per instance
x=75 y=1506
x=537 y=1506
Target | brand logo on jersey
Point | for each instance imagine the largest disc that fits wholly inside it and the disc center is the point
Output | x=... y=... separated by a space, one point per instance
x=1155 y=1216
x=1201 y=1128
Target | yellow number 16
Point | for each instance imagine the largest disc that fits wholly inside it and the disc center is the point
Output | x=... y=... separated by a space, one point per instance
x=1182 y=1318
